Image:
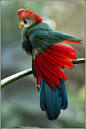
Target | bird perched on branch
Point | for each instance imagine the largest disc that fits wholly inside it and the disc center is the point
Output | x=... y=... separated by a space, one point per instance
x=49 y=56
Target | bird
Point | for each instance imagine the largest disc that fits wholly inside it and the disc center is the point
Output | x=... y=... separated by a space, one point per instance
x=50 y=55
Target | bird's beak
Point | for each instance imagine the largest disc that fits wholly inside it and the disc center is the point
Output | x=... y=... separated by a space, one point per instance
x=20 y=25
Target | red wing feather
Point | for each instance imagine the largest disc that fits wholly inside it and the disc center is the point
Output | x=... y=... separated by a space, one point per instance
x=50 y=61
x=61 y=54
x=49 y=71
x=42 y=75
x=38 y=79
x=36 y=68
x=45 y=75
x=48 y=57
x=48 y=65
x=62 y=62
x=71 y=41
x=63 y=48
x=60 y=73
x=45 y=65
x=67 y=63
x=37 y=73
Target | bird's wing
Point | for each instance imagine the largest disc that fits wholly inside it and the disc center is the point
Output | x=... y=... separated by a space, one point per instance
x=43 y=33
x=48 y=64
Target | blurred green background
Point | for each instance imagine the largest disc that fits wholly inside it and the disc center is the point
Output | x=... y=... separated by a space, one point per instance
x=20 y=99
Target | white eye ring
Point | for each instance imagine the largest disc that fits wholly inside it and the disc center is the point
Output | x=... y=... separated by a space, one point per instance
x=27 y=23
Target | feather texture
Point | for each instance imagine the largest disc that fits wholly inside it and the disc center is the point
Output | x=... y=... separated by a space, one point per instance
x=71 y=41
x=50 y=56
x=48 y=64
x=53 y=101
x=27 y=14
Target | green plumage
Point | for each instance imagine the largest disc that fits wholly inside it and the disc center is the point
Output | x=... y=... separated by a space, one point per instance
x=42 y=35
x=36 y=39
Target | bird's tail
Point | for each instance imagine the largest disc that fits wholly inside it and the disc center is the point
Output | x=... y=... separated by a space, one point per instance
x=53 y=101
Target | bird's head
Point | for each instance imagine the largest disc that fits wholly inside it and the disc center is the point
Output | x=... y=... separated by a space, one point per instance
x=27 y=18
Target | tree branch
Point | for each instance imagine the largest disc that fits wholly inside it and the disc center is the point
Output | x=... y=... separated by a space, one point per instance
x=24 y=73
x=15 y=77
x=78 y=61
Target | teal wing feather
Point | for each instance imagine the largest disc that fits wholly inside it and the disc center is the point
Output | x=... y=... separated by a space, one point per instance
x=42 y=35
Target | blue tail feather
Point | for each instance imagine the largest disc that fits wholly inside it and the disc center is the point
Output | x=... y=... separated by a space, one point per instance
x=64 y=96
x=43 y=95
x=52 y=101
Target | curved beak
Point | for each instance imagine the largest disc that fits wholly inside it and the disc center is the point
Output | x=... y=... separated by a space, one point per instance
x=20 y=25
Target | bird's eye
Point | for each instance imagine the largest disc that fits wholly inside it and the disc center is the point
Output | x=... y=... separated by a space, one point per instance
x=25 y=21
